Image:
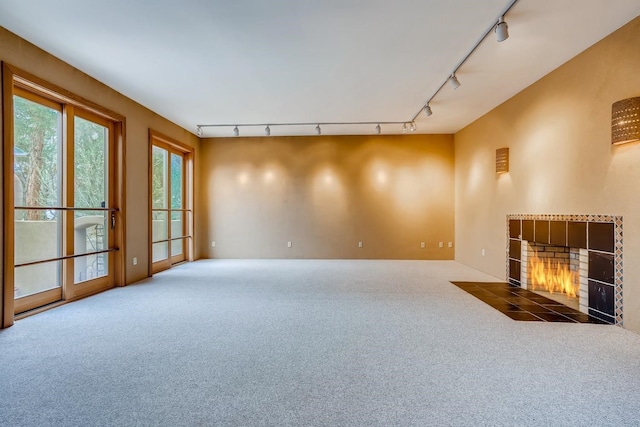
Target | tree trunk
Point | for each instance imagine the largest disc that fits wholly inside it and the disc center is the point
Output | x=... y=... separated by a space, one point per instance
x=34 y=180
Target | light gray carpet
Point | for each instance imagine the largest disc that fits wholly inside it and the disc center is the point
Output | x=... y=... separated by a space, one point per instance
x=311 y=343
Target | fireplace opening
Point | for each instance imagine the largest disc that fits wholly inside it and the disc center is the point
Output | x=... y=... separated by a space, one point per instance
x=554 y=272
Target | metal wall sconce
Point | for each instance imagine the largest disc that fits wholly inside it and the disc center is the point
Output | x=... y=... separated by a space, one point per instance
x=625 y=121
x=502 y=160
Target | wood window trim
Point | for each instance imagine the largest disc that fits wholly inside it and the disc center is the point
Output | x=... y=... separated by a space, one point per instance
x=163 y=141
x=25 y=80
x=15 y=80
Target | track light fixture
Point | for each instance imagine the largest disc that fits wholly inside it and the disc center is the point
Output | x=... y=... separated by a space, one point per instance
x=378 y=129
x=405 y=128
x=267 y=131
x=427 y=110
x=318 y=130
x=413 y=127
x=502 y=30
x=236 y=131
x=454 y=81
x=199 y=131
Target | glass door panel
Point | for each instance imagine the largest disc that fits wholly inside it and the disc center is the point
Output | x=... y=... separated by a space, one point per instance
x=160 y=235
x=90 y=154
x=90 y=235
x=176 y=181
x=40 y=284
x=32 y=279
x=91 y=218
x=159 y=178
x=37 y=239
x=160 y=251
x=177 y=230
x=177 y=250
x=37 y=193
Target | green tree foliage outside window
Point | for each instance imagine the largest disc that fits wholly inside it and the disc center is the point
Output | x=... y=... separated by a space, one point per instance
x=91 y=141
x=37 y=132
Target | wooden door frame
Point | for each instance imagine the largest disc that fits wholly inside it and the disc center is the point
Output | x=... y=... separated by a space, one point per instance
x=188 y=176
x=15 y=77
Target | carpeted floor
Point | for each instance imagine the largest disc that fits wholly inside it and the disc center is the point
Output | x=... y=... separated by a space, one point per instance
x=311 y=343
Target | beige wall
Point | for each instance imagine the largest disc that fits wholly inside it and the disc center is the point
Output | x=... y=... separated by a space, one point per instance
x=325 y=194
x=559 y=134
x=24 y=55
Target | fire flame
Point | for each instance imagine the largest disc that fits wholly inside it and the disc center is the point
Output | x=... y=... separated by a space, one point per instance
x=552 y=278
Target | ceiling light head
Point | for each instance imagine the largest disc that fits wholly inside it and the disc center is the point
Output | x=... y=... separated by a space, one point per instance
x=502 y=30
x=413 y=127
x=267 y=131
x=236 y=131
x=427 y=110
x=199 y=131
x=318 y=130
x=454 y=81
x=378 y=129
x=405 y=128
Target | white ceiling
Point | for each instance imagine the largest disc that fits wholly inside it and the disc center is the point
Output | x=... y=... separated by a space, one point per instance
x=283 y=61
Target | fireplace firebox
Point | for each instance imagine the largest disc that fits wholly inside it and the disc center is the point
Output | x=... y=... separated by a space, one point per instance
x=573 y=259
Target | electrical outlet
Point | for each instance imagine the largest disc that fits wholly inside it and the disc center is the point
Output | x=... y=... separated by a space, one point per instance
x=450 y=244
x=423 y=245
x=135 y=260
x=441 y=244
x=213 y=244
x=359 y=244
x=288 y=244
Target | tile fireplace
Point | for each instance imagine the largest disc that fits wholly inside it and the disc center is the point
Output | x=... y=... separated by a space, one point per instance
x=573 y=259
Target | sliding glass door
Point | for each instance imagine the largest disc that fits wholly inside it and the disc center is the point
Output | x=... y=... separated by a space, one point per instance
x=170 y=212
x=93 y=213
x=64 y=215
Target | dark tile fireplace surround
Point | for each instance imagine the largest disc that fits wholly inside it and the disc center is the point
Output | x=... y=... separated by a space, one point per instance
x=592 y=242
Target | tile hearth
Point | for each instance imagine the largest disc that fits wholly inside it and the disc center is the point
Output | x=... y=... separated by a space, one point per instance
x=522 y=304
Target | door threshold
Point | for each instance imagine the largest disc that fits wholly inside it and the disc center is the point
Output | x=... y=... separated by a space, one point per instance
x=37 y=310
x=47 y=307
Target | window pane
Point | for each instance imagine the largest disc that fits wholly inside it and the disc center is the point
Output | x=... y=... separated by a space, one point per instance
x=176 y=181
x=160 y=226
x=160 y=251
x=37 y=240
x=90 y=267
x=177 y=230
x=36 y=157
x=37 y=278
x=159 y=187
x=90 y=231
x=177 y=247
x=90 y=157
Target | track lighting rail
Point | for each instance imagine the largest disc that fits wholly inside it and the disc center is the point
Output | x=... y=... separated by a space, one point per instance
x=499 y=27
x=452 y=76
